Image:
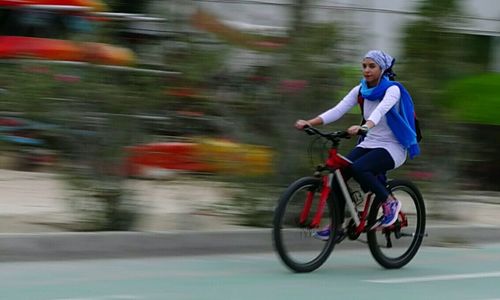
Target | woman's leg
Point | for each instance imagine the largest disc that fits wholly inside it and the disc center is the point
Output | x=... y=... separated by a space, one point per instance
x=365 y=168
x=337 y=195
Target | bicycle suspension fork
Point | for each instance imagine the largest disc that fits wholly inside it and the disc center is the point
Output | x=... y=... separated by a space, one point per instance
x=325 y=192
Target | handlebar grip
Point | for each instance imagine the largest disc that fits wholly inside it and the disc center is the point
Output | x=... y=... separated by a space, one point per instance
x=308 y=129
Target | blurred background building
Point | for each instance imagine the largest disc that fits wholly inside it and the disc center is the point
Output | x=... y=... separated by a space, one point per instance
x=369 y=24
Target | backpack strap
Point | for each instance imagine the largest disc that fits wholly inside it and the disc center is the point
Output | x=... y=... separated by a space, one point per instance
x=361 y=102
x=417 y=128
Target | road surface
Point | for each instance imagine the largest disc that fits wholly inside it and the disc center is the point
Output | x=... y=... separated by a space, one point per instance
x=471 y=272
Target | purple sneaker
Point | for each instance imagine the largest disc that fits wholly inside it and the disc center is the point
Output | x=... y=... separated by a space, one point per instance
x=391 y=210
x=324 y=234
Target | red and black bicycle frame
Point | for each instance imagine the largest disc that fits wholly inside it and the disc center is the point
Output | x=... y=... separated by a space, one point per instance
x=335 y=164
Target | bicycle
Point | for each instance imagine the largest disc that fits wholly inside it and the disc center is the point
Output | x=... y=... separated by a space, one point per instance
x=295 y=221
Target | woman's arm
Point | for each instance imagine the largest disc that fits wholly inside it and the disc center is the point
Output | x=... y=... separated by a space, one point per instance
x=390 y=99
x=333 y=114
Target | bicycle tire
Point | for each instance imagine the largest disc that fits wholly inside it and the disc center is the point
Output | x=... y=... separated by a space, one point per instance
x=400 y=187
x=285 y=223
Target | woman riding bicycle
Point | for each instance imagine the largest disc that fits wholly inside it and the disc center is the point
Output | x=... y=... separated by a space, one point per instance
x=391 y=135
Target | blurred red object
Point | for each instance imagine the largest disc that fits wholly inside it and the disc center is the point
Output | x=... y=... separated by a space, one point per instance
x=422 y=175
x=20 y=46
x=67 y=78
x=206 y=155
x=26 y=39
x=182 y=92
x=95 y=5
x=292 y=85
x=167 y=156
x=53 y=49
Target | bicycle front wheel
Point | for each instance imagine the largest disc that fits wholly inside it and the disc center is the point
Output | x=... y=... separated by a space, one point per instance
x=395 y=246
x=293 y=238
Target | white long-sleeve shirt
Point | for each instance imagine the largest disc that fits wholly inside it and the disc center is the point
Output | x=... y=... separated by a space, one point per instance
x=381 y=135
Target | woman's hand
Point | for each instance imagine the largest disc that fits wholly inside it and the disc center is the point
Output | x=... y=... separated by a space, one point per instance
x=354 y=129
x=300 y=124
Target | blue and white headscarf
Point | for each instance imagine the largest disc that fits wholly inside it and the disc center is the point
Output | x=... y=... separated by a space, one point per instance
x=384 y=60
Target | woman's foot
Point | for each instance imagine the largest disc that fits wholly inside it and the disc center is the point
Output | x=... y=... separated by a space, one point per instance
x=324 y=234
x=391 y=208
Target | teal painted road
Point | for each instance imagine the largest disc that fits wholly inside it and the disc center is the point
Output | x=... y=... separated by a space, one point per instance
x=436 y=273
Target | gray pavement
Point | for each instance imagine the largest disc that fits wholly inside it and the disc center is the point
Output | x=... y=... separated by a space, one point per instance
x=74 y=245
x=34 y=219
x=435 y=273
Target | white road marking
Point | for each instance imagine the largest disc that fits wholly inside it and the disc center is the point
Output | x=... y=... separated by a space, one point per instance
x=446 y=226
x=437 y=278
x=110 y=297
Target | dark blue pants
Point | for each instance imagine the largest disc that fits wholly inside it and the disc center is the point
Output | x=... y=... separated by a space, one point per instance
x=367 y=164
x=367 y=167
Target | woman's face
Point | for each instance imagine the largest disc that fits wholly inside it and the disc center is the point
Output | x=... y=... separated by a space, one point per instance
x=371 y=72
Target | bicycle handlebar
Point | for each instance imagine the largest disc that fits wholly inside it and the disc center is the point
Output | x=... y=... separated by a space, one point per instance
x=332 y=136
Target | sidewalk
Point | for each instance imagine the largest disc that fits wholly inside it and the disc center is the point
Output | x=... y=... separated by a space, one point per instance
x=34 y=214
x=37 y=202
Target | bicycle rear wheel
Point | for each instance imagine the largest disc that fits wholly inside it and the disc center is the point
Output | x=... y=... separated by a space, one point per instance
x=293 y=240
x=395 y=246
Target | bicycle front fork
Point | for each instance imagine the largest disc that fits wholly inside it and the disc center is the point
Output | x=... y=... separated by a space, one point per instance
x=325 y=192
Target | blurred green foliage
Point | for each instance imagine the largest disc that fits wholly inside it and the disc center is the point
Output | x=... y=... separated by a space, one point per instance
x=196 y=62
x=447 y=73
x=33 y=88
x=474 y=99
x=430 y=50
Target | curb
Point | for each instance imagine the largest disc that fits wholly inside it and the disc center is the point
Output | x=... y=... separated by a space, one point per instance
x=68 y=246
x=62 y=246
